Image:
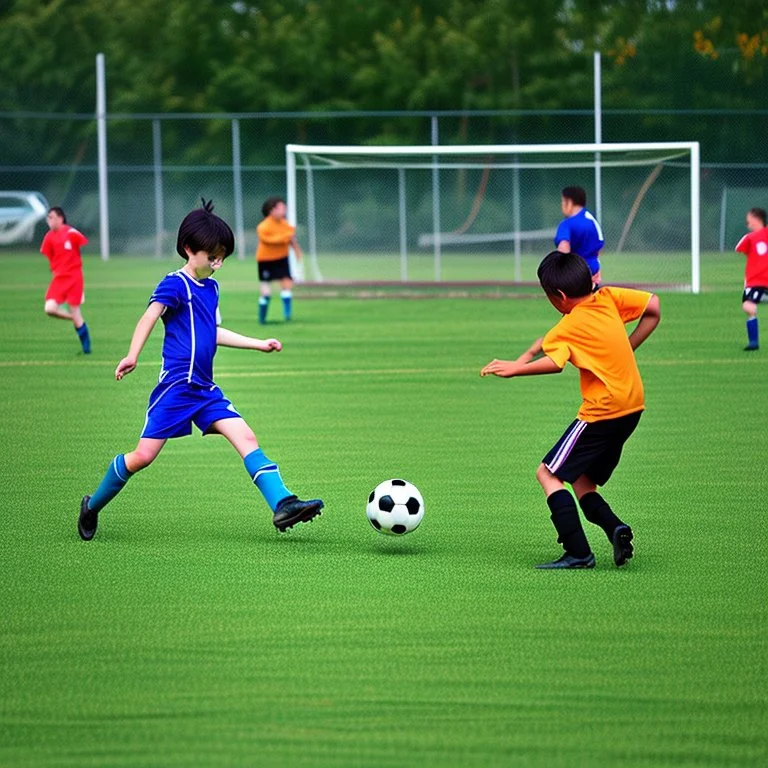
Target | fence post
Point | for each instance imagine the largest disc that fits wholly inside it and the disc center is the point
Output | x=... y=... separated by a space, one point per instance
x=436 y=199
x=723 y=204
x=157 y=156
x=598 y=85
x=237 y=190
x=516 y=219
x=101 y=131
x=403 y=220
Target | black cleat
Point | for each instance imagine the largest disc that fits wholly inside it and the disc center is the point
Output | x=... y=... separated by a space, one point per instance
x=88 y=520
x=292 y=510
x=751 y=347
x=622 y=545
x=569 y=561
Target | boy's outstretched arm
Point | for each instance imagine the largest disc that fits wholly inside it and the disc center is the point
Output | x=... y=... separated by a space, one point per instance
x=648 y=322
x=225 y=338
x=140 y=335
x=509 y=368
x=501 y=367
x=532 y=352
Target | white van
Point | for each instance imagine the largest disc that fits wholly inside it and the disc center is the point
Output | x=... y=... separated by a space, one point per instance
x=20 y=212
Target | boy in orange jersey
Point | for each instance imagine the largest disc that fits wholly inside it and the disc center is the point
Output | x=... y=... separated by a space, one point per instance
x=592 y=337
x=275 y=237
x=754 y=246
x=61 y=245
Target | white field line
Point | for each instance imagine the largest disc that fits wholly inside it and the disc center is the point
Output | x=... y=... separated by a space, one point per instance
x=235 y=374
x=341 y=372
x=224 y=373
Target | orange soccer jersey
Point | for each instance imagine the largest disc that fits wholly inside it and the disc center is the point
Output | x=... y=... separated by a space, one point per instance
x=593 y=338
x=274 y=237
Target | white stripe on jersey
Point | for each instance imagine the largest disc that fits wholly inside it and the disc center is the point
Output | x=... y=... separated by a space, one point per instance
x=191 y=326
x=588 y=215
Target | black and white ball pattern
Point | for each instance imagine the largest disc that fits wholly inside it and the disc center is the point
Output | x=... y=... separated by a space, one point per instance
x=395 y=507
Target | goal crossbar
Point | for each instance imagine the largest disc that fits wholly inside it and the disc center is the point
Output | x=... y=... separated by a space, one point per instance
x=485 y=149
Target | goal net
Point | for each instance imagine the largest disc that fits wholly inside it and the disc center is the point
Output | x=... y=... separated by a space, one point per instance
x=489 y=213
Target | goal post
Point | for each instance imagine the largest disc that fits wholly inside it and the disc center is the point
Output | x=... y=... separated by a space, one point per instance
x=488 y=213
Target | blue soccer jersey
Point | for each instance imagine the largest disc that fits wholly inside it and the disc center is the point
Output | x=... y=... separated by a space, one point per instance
x=190 y=328
x=585 y=236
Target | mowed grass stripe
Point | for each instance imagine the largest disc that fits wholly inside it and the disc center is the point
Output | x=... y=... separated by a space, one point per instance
x=224 y=372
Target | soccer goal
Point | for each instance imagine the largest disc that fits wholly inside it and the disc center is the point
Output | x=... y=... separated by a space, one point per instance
x=489 y=213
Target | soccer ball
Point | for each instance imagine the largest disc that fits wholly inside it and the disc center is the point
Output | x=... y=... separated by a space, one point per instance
x=395 y=507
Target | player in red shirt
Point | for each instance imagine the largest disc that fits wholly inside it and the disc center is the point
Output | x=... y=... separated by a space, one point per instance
x=755 y=247
x=61 y=245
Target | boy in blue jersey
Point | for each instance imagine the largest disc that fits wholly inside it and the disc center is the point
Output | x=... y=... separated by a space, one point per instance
x=187 y=301
x=579 y=232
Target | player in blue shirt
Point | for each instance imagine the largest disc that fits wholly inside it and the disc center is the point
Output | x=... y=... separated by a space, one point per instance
x=187 y=301
x=580 y=232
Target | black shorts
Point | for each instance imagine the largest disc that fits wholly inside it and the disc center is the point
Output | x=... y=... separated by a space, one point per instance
x=590 y=448
x=756 y=294
x=274 y=270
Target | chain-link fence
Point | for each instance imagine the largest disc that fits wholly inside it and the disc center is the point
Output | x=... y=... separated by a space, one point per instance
x=160 y=165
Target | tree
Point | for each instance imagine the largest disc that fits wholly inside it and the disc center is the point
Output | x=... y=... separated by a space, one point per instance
x=310 y=56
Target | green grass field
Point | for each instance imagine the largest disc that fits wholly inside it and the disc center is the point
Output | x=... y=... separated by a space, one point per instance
x=189 y=633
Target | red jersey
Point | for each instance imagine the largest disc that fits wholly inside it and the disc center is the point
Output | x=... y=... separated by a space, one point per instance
x=755 y=247
x=62 y=247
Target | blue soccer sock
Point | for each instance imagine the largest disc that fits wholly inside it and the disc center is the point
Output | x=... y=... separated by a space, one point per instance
x=287 y=296
x=263 y=307
x=752 y=333
x=114 y=481
x=85 y=338
x=266 y=477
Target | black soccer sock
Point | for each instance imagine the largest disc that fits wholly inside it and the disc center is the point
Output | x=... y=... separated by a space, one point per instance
x=597 y=510
x=565 y=518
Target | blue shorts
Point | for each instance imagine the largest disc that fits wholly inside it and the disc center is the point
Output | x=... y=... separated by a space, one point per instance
x=173 y=409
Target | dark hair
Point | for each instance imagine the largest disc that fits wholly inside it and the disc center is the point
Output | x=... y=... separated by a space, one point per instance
x=269 y=204
x=759 y=213
x=202 y=230
x=566 y=272
x=60 y=212
x=577 y=195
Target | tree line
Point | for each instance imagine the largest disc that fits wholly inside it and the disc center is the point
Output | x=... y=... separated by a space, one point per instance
x=341 y=55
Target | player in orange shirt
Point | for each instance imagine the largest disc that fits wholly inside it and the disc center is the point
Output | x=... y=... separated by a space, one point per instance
x=755 y=247
x=592 y=337
x=276 y=235
x=61 y=245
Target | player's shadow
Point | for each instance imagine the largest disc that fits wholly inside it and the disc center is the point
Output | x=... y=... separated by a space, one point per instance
x=397 y=548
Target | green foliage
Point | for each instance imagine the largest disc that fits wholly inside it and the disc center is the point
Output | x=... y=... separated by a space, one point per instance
x=295 y=55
